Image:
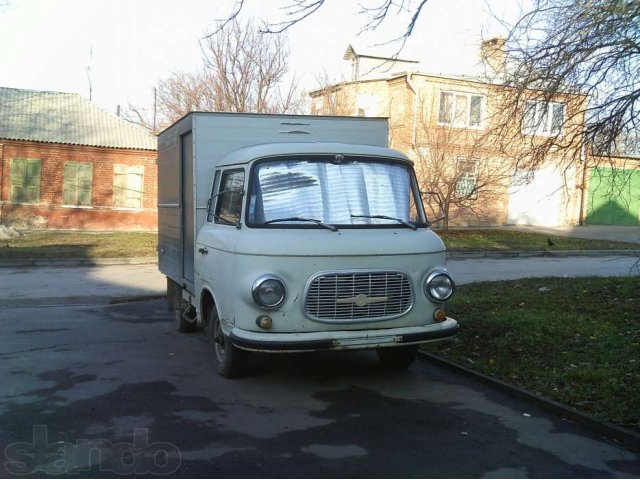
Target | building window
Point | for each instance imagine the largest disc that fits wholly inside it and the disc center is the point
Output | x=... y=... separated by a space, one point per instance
x=25 y=180
x=461 y=109
x=128 y=185
x=78 y=180
x=229 y=204
x=543 y=118
x=467 y=176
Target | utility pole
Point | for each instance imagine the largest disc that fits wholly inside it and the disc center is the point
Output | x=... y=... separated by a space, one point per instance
x=155 y=109
x=89 y=72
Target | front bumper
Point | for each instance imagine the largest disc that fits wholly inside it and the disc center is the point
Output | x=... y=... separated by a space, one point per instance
x=342 y=340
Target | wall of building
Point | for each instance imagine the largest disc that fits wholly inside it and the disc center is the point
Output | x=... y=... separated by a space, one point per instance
x=101 y=214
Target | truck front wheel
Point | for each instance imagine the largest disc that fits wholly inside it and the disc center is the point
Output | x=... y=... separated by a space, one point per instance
x=398 y=357
x=232 y=361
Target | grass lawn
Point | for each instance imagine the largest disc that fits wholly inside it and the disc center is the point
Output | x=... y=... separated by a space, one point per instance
x=573 y=340
x=41 y=244
x=469 y=239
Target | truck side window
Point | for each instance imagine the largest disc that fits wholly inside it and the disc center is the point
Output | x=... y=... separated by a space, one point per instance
x=229 y=198
x=212 y=199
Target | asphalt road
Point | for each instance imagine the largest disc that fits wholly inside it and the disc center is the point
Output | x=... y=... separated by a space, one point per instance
x=489 y=269
x=109 y=390
x=72 y=285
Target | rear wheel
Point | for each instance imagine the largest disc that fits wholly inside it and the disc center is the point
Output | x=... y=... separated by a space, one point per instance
x=398 y=357
x=171 y=294
x=231 y=361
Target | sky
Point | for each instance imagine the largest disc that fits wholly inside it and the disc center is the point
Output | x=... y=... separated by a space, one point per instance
x=122 y=48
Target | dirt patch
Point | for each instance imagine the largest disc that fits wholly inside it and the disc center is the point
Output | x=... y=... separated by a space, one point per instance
x=7 y=233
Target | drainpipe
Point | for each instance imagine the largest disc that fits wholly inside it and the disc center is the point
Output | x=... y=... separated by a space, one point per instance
x=414 y=113
x=583 y=184
x=1 y=180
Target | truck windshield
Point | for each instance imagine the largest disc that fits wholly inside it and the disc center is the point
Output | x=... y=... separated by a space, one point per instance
x=350 y=192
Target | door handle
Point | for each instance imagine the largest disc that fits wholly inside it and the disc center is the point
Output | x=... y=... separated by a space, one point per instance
x=203 y=251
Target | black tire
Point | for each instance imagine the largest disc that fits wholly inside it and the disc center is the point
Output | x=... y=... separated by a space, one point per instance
x=231 y=361
x=171 y=294
x=398 y=357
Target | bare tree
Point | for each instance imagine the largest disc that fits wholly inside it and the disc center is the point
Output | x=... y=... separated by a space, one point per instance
x=588 y=49
x=174 y=96
x=247 y=70
x=295 y=11
x=462 y=168
x=331 y=98
x=570 y=91
x=242 y=71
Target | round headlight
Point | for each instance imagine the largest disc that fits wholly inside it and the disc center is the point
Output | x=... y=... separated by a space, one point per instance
x=439 y=285
x=268 y=291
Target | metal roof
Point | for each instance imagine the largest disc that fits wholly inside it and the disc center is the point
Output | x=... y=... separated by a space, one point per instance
x=67 y=118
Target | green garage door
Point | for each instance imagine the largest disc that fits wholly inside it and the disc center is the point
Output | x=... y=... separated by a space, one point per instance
x=614 y=197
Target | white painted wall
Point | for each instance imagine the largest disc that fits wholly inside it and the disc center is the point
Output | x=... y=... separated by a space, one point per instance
x=538 y=202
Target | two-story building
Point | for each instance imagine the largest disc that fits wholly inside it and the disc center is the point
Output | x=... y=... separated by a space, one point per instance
x=66 y=163
x=466 y=143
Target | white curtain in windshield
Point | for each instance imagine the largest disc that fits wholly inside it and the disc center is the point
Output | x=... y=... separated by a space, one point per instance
x=331 y=193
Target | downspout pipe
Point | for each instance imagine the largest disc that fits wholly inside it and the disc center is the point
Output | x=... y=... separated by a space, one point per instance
x=583 y=183
x=414 y=113
x=1 y=180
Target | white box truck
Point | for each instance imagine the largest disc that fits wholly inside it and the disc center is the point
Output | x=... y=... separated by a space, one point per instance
x=281 y=233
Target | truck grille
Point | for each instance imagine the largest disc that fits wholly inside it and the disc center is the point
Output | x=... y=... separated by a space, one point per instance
x=361 y=296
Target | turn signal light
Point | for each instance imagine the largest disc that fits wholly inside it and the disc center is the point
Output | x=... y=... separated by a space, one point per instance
x=264 y=322
x=439 y=315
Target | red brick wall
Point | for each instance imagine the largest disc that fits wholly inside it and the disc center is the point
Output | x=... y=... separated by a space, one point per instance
x=101 y=215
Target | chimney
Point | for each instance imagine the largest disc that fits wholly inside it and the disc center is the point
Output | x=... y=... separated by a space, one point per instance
x=494 y=56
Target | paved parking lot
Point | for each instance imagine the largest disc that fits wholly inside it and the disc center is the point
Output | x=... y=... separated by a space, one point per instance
x=106 y=390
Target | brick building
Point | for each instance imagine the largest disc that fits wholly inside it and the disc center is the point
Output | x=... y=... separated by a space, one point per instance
x=66 y=163
x=447 y=124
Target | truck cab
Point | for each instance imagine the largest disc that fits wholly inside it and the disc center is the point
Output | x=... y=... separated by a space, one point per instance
x=319 y=247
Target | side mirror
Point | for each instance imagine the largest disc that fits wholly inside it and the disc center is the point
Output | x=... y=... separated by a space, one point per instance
x=435 y=205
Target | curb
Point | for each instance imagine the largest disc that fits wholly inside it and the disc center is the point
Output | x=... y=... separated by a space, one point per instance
x=464 y=255
x=623 y=436
x=76 y=301
x=451 y=255
x=77 y=262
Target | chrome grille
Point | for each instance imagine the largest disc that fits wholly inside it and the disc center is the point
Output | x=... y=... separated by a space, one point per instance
x=361 y=296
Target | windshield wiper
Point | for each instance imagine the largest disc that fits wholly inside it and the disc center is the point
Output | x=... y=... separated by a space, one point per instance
x=385 y=217
x=302 y=219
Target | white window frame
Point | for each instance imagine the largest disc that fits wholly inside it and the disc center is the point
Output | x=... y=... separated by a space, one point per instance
x=538 y=116
x=453 y=121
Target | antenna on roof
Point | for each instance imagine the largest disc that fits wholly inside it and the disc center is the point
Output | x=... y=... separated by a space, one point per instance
x=89 y=71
